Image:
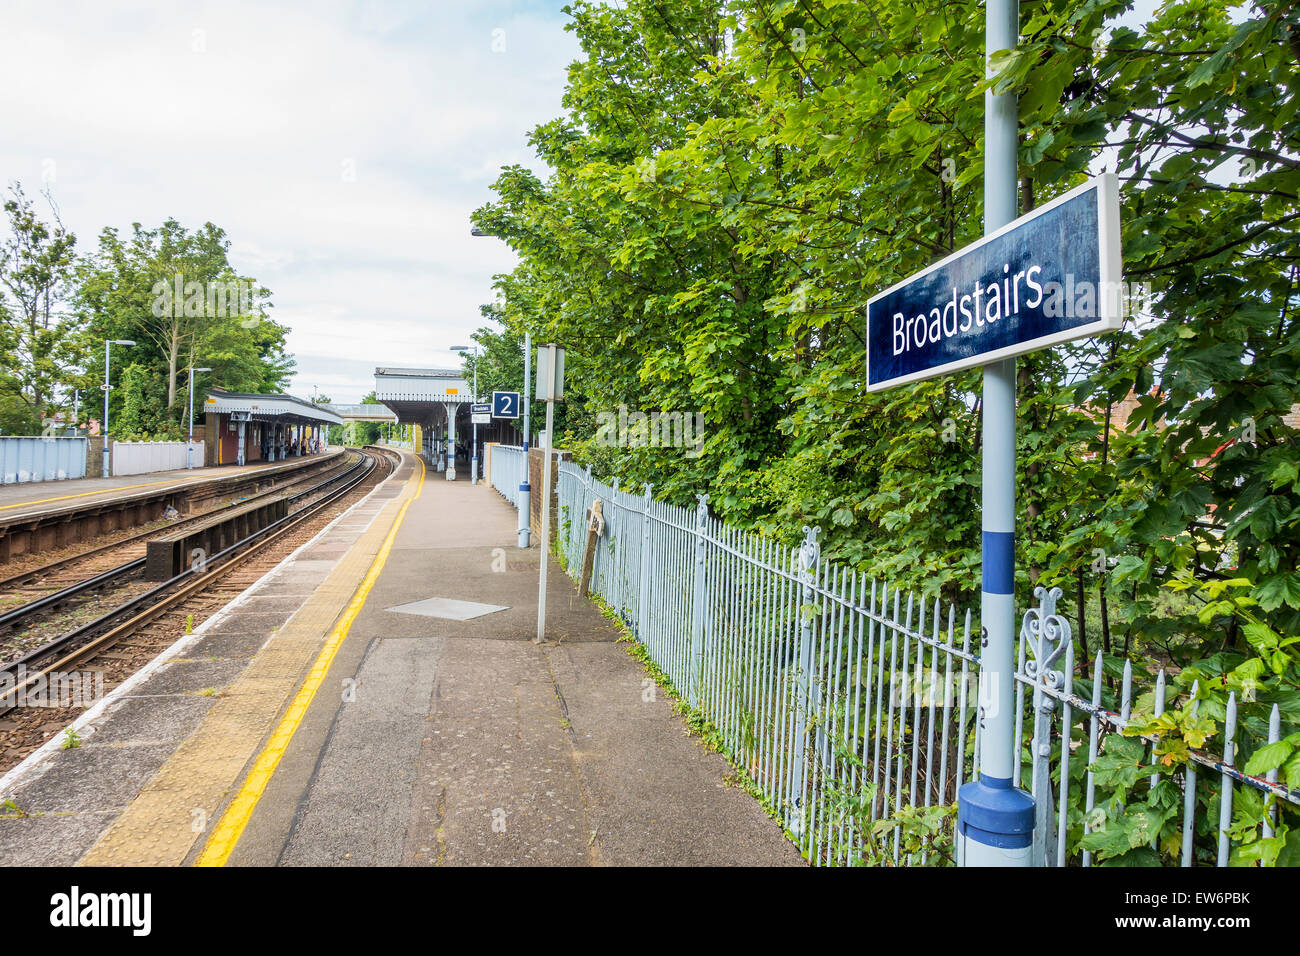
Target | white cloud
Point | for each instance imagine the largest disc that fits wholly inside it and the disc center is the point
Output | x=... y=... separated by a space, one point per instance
x=249 y=115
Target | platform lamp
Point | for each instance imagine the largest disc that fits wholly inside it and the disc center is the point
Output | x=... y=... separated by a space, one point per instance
x=189 y=446
x=473 y=461
x=107 y=343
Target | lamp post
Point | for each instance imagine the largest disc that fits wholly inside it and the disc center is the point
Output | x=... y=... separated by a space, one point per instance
x=189 y=446
x=107 y=344
x=473 y=460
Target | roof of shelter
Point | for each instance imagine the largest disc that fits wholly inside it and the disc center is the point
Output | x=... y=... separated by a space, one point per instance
x=268 y=406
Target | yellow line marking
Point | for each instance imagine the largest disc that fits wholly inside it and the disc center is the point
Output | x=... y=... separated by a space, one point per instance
x=111 y=491
x=227 y=832
x=84 y=494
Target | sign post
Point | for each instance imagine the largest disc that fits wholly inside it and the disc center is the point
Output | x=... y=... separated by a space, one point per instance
x=550 y=387
x=1047 y=277
x=507 y=405
x=995 y=821
x=525 y=489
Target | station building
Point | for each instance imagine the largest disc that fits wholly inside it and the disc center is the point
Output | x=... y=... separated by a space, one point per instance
x=240 y=427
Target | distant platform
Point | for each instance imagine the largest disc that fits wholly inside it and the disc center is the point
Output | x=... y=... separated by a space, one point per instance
x=24 y=498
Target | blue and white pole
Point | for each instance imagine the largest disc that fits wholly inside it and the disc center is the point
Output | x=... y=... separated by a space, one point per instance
x=473 y=454
x=451 y=441
x=995 y=821
x=525 y=489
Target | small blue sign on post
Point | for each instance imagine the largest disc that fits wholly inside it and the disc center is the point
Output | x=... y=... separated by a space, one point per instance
x=505 y=404
x=1047 y=277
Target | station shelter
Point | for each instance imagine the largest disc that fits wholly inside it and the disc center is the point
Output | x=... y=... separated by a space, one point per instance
x=437 y=401
x=240 y=427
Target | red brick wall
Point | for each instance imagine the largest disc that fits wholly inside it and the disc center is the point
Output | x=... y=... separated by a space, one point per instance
x=535 y=484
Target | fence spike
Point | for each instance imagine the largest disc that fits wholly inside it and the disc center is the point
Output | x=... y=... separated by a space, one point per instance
x=1126 y=696
x=1227 y=785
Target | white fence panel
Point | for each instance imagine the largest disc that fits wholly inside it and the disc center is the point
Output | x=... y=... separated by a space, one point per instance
x=41 y=459
x=143 y=457
x=509 y=469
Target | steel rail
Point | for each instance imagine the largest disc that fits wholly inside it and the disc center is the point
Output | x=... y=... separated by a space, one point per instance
x=201 y=579
x=24 y=611
x=22 y=577
x=17 y=615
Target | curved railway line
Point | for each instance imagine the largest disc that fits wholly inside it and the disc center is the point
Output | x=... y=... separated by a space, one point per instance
x=70 y=590
x=143 y=618
x=31 y=578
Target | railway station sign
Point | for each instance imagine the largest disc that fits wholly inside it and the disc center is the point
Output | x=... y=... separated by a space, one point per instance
x=505 y=404
x=481 y=413
x=1050 y=276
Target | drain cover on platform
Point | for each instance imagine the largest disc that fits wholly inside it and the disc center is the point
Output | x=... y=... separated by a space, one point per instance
x=449 y=609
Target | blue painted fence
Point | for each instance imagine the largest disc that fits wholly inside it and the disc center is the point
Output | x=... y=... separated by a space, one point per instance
x=41 y=459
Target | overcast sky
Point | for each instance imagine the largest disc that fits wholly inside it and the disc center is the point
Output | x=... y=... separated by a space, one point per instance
x=341 y=145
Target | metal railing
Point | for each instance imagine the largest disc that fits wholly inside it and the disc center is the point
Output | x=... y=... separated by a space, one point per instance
x=509 y=469
x=847 y=701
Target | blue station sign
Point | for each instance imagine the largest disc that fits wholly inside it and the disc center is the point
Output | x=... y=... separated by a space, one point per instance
x=1045 y=278
x=505 y=404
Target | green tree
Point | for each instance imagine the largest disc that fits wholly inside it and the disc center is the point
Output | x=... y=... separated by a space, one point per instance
x=36 y=336
x=127 y=289
x=144 y=416
x=717 y=214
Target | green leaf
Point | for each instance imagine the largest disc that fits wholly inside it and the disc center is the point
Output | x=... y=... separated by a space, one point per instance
x=1278 y=590
x=1269 y=757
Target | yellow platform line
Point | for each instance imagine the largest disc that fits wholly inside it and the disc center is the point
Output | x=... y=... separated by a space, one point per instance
x=101 y=491
x=231 y=827
x=112 y=491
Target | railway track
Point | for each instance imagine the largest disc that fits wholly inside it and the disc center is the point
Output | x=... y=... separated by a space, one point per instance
x=65 y=569
x=71 y=590
x=150 y=607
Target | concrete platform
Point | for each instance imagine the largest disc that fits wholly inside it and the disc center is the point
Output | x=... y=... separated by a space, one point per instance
x=34 y=497
x=160 y=754
x=343 y=715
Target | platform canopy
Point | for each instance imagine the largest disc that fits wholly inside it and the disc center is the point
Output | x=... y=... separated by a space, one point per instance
x=423 y=396
x=284 y=409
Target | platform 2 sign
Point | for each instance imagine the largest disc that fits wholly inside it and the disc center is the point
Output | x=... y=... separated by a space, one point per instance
x=505 y=404
x=1047 y=277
